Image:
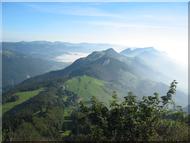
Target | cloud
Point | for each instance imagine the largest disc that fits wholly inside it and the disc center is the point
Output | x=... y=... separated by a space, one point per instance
x=118 y=25
x=70 y=57
x=75 y=10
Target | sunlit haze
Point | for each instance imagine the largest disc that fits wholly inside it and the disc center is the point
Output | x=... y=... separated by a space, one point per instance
x=159 y=25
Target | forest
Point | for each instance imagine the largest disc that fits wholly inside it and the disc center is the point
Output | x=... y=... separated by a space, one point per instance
x=67 y=118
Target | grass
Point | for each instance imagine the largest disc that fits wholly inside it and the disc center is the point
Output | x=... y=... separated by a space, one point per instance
x=86 y=87
x=66 y=133
x=23 y=96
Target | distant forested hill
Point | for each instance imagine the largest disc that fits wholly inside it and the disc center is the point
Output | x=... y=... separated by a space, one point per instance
x=119 y=73
x=22 y=60
x=49 y=50
x=17 y=67
x=166 y=67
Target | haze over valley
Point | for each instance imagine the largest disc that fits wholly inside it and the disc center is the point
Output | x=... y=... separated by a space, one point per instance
x=147 y=63
x=95 y=71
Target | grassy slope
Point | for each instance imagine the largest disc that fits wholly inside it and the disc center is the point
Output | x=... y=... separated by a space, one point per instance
x=86 y=87
x=23 y=96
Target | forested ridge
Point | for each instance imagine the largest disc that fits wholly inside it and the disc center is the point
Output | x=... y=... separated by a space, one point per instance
x=58 y=114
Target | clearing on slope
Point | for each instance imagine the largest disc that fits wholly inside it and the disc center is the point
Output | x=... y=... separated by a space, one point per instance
x=22 y=97
x=86 y=87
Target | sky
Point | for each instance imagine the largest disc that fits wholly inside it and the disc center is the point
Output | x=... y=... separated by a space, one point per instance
x=163 y=26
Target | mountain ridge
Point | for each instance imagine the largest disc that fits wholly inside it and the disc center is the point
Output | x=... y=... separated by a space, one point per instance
x=122 y=73
x=162 y=63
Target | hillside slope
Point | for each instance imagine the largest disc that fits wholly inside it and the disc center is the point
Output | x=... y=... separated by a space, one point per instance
x=167 y=67
x=86 y=87
x=17 y=67
x=121 y=73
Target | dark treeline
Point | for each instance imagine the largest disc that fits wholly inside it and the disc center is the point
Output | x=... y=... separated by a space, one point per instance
x=61 y=115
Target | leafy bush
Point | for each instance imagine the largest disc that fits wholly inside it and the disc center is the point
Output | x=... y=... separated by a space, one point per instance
x=132 y=120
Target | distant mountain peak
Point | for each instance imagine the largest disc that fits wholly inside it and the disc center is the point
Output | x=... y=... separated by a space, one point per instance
x=109 y=50
x=141 y=49
x=98 y=54
x=131 y=52
x=150 y=49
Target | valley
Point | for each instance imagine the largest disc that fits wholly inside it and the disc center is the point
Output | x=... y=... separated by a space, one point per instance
x=57 y=98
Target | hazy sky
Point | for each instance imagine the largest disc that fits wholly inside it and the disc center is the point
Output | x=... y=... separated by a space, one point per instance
x=161 y=25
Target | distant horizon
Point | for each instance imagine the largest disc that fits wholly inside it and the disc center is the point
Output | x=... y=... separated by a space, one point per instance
x=124 y=46
x=117 y=50
x=163 y=26
x=82 y=42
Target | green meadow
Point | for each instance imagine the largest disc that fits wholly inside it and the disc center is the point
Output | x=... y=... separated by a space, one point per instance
x=23 y=96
